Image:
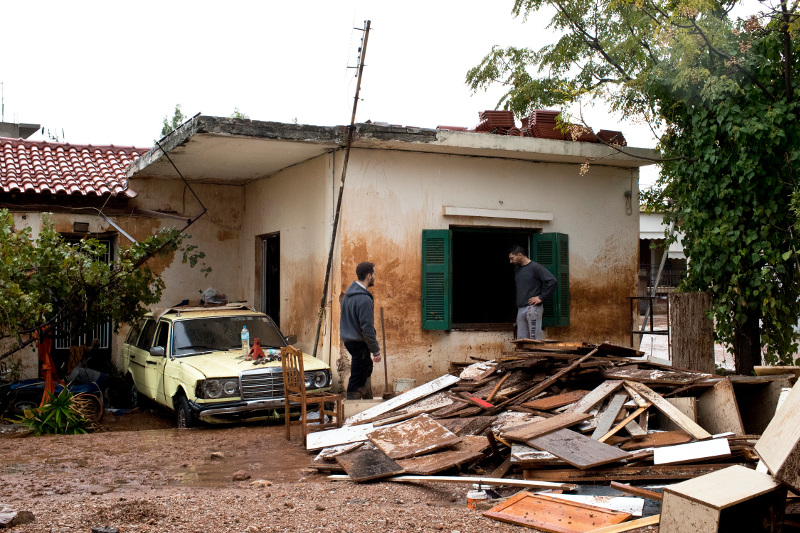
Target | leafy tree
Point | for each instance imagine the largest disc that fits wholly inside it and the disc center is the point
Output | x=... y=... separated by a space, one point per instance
x=46 y=281
x=177 y=119
x=238 y=114
x=724 y=92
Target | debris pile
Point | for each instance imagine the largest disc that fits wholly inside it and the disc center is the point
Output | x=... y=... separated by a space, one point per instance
x=563 y=414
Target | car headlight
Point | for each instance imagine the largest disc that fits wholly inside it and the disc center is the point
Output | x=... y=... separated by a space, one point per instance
x=220 y=388
x=317 y=379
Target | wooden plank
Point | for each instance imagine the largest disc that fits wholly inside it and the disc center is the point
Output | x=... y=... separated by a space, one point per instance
x=538 y=428
x=473 y=480
x=472 y=425
x=559 y=400
x=635 y=430
x=693 y=451
x=717 y=410
x=497 y=387
x=725 y=488
x=544 y=385
x=470 y=448
x=779 y=446
x=413 y=437
x=670 y=411
x=624 y=423
x=636 y=491
x=610 y=415
x=664 y=377
x=632 y=506
x=627 y=473
x=317 y=440
x=404 y=399
x=364 y=465
x=635 y=396
x=658 y=439
x=630 y=525
x=546 y=513
x=578 y=450
x=596 y=396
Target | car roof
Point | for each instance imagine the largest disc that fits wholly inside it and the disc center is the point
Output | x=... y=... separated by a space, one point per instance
x=184 y=313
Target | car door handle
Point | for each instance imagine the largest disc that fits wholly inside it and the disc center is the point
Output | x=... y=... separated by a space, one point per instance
x=151 y=363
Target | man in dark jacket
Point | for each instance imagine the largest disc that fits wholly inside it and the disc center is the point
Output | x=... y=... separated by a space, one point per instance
x=357 y=330
x=534 y=284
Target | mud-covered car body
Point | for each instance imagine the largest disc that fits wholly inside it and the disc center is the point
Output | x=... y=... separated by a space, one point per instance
x=191 y=361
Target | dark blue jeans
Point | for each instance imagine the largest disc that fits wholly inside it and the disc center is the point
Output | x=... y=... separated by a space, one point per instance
x=360 y=366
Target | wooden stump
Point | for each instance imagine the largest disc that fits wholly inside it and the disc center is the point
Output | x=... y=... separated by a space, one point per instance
x=692 y=331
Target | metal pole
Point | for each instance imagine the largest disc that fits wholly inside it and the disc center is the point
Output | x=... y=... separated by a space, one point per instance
x=350 y=133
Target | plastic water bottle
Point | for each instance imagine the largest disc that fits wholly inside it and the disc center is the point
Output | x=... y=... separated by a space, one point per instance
x=245 y=341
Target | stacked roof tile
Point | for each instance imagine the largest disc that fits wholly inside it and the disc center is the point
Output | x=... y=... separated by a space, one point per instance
x=61 y=168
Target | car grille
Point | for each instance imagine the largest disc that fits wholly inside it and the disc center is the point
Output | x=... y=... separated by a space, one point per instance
x=262 y=384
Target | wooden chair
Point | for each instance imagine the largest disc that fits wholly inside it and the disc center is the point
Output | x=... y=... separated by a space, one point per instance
x=294 y=387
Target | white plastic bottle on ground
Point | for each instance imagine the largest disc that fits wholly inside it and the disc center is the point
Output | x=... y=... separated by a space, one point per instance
x=245 y=341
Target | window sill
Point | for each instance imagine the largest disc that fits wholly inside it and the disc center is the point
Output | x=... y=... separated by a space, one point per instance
x=481 y=326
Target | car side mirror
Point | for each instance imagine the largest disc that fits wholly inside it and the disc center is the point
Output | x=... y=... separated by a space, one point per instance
x=290 y=339
x=158 y=351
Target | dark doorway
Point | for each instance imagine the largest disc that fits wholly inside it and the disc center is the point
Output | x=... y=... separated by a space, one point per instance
x=483 y=279
x=271 y=276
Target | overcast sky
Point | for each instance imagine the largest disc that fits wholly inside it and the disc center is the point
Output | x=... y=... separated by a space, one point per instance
x=109 y=72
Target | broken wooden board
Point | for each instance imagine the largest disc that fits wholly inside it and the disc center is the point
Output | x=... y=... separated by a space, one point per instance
x=578 y=450
x=717 y=410
x=606 y=420
x=670 y=411
x=471 y=448
x=404 y=399
x=693 y=451
x=597 y=395
x=626 y=473
x=636 y=491
x=733 y=499
x=559 y=400
x=658 y=439
x=364 y=465
x=623 y=504
x=663 y=377
x=630 y=525
x=413 y=437
x=627 y=420
x=472 y=425
x=532 y=430
x=472 y=480
x=618 y=350
x=336 y=437
x=546 y=513
x=779 y=446
x=524 y=456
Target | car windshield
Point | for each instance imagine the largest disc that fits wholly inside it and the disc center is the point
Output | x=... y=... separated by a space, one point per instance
x=203 y=335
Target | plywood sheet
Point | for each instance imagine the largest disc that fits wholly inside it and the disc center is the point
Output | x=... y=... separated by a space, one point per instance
x=686 y=405
x=724 y=488
x=404 y=399
x=597 y=395
x=693 y=451
x=413 y=437
x=578 y=450
x=471 y=448
x=670 y=411
x=547 y=513
x=559 y=400
x=718 y=411
x=532 y=430
x=658 y=440
x=364 y=465
x=779 y=446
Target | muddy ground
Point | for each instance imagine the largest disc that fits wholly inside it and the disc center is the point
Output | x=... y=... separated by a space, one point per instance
x=140 y=475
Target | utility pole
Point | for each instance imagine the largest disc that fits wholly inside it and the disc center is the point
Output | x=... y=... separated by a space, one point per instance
x=350 y=134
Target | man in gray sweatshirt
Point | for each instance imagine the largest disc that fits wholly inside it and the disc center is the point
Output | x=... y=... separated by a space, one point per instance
x=357 y=330
x=534 y=284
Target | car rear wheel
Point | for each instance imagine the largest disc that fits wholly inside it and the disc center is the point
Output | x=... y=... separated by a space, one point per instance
x=133 y=393
x=184 y=415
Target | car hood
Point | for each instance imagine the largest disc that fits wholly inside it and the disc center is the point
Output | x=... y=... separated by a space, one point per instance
x=230 y=363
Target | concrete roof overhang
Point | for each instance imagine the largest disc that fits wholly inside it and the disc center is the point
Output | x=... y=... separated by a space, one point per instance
x=236 y=151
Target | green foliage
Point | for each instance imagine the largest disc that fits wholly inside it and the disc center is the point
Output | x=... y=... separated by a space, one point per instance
x=725 y=92
x=44 y=277
x=238 y=114
x=177 y=119
x=58 y=416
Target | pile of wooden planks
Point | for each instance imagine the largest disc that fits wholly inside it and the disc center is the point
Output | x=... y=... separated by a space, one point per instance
x=560 y=413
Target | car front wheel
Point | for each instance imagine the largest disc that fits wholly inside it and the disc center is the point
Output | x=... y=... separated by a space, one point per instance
x=184 y=415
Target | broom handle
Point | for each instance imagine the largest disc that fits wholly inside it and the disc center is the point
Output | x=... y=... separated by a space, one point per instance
x=385 y=371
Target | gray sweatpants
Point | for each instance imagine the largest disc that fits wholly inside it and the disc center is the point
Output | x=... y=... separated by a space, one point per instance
x=529 y=322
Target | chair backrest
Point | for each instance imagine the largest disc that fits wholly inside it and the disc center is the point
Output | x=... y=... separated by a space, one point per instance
x=294 y=381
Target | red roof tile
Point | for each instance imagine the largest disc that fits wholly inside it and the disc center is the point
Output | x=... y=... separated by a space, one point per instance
x=61 y=168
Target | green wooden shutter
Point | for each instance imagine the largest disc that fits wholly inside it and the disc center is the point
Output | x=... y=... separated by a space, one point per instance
x=551 y=250
x=436 y=279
